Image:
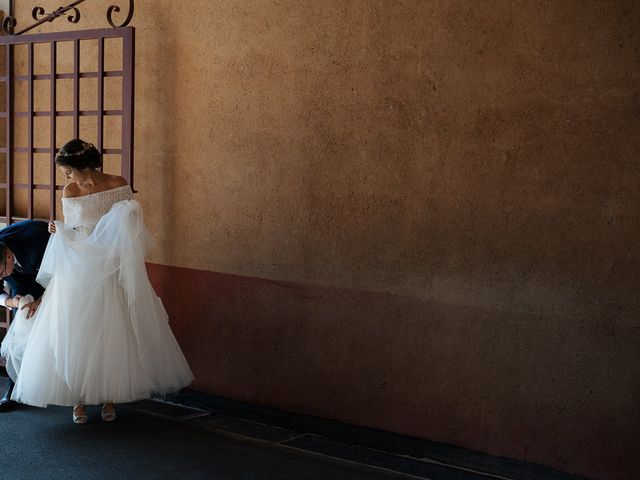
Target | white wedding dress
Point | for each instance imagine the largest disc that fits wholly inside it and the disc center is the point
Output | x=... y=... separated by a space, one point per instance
x=15 y=340
x=101 y=334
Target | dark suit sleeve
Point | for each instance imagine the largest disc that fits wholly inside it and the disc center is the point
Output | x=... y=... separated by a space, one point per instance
x=28 y=241
x=20 y=284
x=35 y=246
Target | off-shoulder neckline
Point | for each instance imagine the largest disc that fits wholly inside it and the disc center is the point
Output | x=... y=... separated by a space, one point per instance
x=97 y=193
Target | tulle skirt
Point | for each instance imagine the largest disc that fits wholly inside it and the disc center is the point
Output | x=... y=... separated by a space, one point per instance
x=15 y=341
x=101 y=334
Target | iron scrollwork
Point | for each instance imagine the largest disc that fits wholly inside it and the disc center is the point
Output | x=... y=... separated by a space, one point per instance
x=115 y=8
x=50 y=17
x=8 y=25
x=38 y=13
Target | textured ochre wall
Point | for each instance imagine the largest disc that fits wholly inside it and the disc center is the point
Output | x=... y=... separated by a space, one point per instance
x=480 y=154
x=444 y=192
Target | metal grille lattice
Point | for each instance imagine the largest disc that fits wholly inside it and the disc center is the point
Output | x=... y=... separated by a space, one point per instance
x=32 y=134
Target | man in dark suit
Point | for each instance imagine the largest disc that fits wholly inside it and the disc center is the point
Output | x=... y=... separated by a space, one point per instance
x=22 y=247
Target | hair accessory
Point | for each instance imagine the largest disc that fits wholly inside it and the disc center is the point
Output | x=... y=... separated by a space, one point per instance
x=85 y=148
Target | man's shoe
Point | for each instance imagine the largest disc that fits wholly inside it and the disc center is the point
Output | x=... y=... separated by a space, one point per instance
x=5 y=402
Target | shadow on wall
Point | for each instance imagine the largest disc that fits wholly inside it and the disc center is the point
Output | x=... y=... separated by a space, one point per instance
x=533 y=387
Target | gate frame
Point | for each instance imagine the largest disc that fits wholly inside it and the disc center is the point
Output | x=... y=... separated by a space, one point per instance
x=126 y=112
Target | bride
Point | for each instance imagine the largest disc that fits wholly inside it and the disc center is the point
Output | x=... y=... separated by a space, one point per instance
x=100 y=334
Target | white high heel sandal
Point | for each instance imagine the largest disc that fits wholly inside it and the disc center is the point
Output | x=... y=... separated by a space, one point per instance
x=108 y=416
x=79 y=419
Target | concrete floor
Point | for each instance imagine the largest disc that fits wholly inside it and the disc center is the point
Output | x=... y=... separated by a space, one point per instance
x=45 y=444
x=197 y=436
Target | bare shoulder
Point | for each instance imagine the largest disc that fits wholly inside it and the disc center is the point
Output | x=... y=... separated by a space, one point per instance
x=116 y=181
x=71 y=190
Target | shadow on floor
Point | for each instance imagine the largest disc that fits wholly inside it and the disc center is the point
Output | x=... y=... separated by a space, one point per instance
x=338 y=441
x=197 y=436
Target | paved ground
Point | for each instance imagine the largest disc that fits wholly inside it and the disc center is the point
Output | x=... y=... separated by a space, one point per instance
x=198 y=436
x=44 y=444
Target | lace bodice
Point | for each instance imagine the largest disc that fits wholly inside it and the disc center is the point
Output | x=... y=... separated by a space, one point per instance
x=83 y=213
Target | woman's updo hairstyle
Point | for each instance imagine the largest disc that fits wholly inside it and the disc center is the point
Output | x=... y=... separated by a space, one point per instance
x=79 y=154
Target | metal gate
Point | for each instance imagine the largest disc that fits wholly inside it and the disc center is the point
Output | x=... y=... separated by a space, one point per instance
x=50 y=97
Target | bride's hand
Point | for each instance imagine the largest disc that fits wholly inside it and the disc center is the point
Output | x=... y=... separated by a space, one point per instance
x=52 y=227
x=32 y=307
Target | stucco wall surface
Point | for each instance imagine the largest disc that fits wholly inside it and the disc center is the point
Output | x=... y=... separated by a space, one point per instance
x=473 y=152
x=463 y=156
